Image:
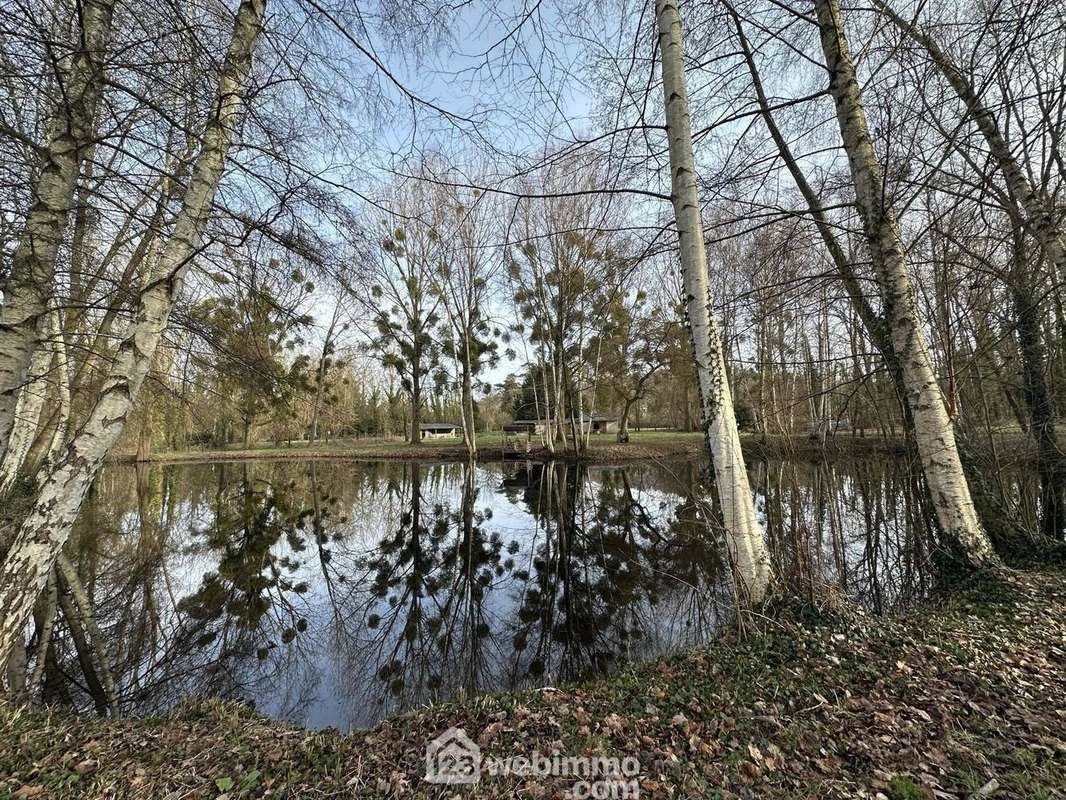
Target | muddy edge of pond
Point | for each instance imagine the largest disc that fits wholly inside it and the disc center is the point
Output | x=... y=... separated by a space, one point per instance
x=1011 y=446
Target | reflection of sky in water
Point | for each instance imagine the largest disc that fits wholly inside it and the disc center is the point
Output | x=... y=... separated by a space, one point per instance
x=574 y=570
x=344 y=657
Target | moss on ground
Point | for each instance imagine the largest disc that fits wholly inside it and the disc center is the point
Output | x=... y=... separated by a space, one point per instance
x=936 y=704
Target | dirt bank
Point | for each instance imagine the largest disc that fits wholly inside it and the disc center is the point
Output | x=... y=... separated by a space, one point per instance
x=961 y=696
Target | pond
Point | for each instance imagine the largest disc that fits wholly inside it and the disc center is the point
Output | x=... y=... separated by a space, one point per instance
x=336 y=593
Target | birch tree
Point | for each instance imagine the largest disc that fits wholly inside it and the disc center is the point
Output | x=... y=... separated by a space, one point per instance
x=467 y=269
x=28 y=407
x=933 y=429
x=27 y=290
x=1040 y=218
x=41 y=536
x=744 y=534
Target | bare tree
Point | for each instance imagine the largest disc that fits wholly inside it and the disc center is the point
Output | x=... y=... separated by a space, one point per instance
x=26 y=568
x=24 y=317
x=744 y=534
x=933 y=430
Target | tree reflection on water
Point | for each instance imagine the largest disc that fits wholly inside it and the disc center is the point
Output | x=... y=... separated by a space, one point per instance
x=336 y=593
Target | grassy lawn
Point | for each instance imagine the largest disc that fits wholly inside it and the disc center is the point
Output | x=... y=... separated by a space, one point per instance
x=642 y=445
x=484 y=439
x=603 y=448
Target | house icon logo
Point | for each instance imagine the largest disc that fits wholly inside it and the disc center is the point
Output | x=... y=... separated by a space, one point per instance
x=453 y=758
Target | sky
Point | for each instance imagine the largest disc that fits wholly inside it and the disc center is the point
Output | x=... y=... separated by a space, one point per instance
x=510 y=73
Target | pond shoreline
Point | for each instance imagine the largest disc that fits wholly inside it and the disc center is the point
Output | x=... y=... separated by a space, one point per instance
x=686 y=446
x=960 y=694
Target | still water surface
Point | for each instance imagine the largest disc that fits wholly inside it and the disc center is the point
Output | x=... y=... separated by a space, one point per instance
x=336 y=593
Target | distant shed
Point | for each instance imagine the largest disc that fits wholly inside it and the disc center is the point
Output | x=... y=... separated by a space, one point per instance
x=597 y=423
x=439 y=430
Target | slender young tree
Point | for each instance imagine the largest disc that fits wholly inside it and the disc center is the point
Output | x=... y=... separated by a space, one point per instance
x=467 y=272
x=750 y=557
x=406 y=313
x=329 y=346
x=933 y=429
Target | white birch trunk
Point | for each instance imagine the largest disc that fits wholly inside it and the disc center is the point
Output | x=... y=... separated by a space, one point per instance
x=27 y=417
x=1039 y=216
x=61 y=374
x=751 y=561
x=23 y=317
x=933 y=431
x=49 y=367
x=25 y=570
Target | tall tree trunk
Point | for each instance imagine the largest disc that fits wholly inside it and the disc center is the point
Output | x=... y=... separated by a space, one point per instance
x=416 y=411
x=143 y=259
x=549 y=414
x=43 y=533
x=1040 y=218
x=933 y=431
x=28 y=409
x=28 y=288
x=750 y=558
x=1050 y=463
x=469 y=436
x=623 y=420
x=875 y=325
x=45 y=617
x=84 y=653
x=61 y=378
x=48 y=369
x=320 y=380
x=80 y=617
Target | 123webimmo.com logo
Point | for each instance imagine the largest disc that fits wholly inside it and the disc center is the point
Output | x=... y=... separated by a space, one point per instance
x=454 y=758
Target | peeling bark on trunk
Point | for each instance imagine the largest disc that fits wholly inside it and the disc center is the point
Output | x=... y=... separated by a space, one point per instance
x=28 y=409
x=23 y=317
x=933 y=431
x=43 y=533
x=61 y=375
x=47 y=369
x=750 y=559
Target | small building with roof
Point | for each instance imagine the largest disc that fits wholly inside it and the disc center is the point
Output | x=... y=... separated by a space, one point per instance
x=439 y=430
